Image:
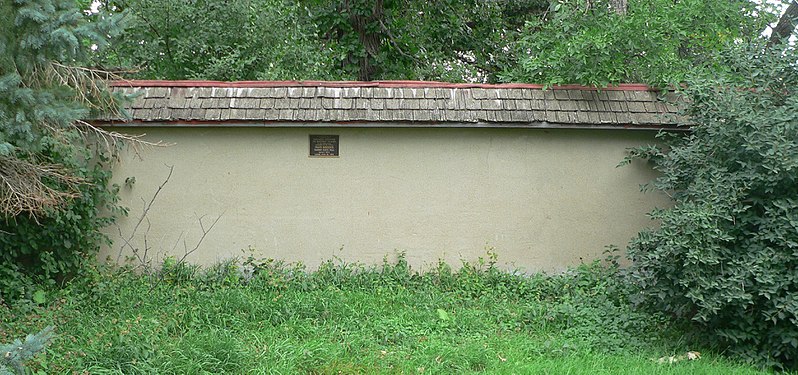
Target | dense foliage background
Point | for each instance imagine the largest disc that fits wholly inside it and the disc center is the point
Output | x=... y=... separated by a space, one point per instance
x=542 y=41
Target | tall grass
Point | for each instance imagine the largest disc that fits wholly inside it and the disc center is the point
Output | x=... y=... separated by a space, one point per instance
x=266 y=317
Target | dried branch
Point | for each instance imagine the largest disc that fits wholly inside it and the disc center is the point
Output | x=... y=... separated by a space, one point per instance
x=205 y=232
x=112 y=139
x=142 y=217
x=88 y=84
x=143 y=256
x=26 y=186
x=31 y=187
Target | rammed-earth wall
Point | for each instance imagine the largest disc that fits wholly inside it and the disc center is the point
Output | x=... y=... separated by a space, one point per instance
x=541 y=197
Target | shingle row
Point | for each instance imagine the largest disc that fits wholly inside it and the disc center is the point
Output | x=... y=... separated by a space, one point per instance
x=342 y=104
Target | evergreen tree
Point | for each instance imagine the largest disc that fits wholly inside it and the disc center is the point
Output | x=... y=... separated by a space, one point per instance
x=52 y=181
x=13 y=355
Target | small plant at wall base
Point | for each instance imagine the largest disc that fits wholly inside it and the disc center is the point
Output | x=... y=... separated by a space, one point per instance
x=726 y=254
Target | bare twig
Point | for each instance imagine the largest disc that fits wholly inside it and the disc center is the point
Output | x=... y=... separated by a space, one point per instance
x=142 y=217
x=186 y=251
x=143 y=255
x=205 y=232
x=25 y=186
x=112 y=139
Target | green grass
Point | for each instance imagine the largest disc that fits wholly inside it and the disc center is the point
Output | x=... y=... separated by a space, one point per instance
x=347 y=319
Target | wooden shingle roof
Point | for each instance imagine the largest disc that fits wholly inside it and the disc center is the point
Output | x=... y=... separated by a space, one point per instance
x=395 y=102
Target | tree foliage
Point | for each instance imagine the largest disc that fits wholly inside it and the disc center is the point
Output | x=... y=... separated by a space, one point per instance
x=451 y=40
x=208 y=39
x=14 y=355
x=52 y=181
x=725 y=255
x=566 y=41
x=654 y=41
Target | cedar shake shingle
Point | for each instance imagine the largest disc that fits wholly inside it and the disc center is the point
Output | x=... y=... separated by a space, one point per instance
x=425 y=103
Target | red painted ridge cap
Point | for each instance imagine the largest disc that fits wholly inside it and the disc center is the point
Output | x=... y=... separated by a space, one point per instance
x=387 y=84
x=200 y=123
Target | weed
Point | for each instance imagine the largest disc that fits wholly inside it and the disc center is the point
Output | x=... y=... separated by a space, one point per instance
x=261 y=315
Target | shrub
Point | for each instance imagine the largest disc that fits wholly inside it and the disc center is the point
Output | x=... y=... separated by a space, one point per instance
x=60 y=243
x=726 y=253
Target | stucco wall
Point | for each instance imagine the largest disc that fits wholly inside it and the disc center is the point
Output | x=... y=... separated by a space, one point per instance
x=541 y=199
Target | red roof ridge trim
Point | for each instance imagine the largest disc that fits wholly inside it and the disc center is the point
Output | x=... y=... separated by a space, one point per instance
x=387 y=84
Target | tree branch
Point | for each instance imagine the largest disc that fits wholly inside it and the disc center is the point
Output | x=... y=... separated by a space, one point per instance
x=111 y=139
x=142 y=217
x=475 y=64
x=25 y=186
x=785 y=26
x=205 y=232
x=393 y=41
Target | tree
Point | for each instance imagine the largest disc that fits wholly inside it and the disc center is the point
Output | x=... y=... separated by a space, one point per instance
x=569 y=41
x=52 y=180
x=451 y=40
x=786 y=25
x=208 y=39
x=657 y=42
x=723 y=257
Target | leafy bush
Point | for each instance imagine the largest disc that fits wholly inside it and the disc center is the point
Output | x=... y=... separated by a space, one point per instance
x=726 y=253
x=58 y=244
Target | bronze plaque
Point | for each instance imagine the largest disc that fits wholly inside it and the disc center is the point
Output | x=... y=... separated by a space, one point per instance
x=324 y=145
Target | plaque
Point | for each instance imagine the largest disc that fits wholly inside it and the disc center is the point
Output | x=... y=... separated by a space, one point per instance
x=324 y=145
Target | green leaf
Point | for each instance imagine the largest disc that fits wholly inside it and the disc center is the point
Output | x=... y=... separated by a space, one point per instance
x=39 y=297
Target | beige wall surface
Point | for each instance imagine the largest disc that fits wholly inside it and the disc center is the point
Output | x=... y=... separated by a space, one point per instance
x=541 y=199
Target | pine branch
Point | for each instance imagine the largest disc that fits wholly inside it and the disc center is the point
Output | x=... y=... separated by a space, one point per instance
x=27 y=186
x=15 y=354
